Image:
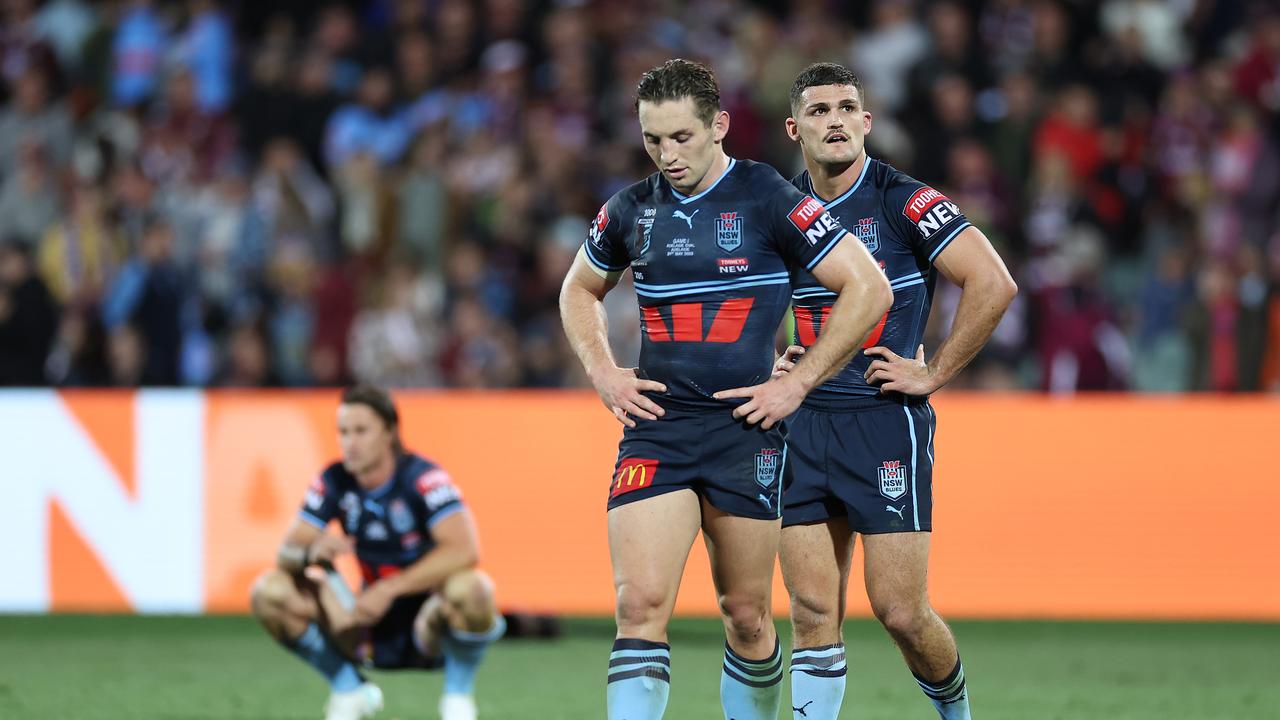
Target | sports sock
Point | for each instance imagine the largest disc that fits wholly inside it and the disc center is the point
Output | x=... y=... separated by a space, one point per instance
x=948 y=694
x=639 y=679
x=463 y=652
x=320 y=652
x=817 y=681
x=751 y=689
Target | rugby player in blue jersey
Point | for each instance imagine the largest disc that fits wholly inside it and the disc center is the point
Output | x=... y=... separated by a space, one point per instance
x=711 y=242
x=423 y=603
x=862 y=443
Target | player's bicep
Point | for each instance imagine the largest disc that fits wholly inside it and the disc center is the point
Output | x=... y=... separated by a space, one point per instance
x=457 y=530
x=848 y=264
x=970 y=256
x=586 y=276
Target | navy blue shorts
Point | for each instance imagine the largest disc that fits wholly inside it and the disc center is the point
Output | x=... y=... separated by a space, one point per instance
x=390 y=644
x=873 y=465
x=738 y=468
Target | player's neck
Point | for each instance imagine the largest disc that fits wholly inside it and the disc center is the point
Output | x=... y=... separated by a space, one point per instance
x=832 y=181
x=718 y=167
x=375 y=476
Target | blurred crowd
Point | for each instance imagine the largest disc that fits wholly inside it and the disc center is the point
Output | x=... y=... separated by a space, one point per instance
x=295 y=193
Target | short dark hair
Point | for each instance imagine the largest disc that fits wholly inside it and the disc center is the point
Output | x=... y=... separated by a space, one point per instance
x=678 y=79
x=819 y=74
x=380 y=402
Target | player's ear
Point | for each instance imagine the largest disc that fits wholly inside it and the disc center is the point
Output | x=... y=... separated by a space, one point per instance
x=720 y=126
x=866 y=121
x=793 y=129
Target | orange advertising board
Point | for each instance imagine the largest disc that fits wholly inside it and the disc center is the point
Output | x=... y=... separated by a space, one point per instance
x=1091 y=507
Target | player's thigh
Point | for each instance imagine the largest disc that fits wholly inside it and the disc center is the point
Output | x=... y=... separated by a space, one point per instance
x=649 y=542
x=896 y=569
x=277 y=594
x=743 y=552
x=816 y=560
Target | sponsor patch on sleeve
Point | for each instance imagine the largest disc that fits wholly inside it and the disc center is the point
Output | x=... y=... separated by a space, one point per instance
x=811 y=218
x=595 y=233
x=929 y=210
x=437 y=489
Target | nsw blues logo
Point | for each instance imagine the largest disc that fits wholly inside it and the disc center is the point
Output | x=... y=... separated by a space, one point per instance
x=401 y=516
x=768 y=462
x=865 y=231
x=893 y=479
x=729 y=231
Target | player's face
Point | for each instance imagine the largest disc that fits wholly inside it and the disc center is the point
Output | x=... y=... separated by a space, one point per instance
x=830 y=124
x=679 y=143
x=365 y=440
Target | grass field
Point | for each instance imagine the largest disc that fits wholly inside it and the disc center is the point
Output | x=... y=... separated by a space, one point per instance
x=88 y=667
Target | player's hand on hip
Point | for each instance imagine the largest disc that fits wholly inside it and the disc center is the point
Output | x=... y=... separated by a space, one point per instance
x=621 y=390
x=787 y=362
x=373 y=603
x=894 y=373
x=767 y=403
x=326 y=548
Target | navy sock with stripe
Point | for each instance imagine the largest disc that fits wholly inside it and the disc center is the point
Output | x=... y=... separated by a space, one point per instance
x=949 y=695
x=751 y=689
x=639 y=679
x=817 y=682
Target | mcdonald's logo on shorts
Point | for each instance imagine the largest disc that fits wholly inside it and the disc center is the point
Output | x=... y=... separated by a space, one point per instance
x=633 y=474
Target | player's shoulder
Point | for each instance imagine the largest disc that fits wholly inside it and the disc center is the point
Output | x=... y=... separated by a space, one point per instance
x=636 y=194
x=759 y=177
x=898 y=187
x=801 y=182
x=336 y=474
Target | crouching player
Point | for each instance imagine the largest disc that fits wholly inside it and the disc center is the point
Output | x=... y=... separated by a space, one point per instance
x=423 y=603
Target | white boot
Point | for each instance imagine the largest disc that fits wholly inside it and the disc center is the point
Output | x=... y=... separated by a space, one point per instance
x=456 y=706
x=359 y=704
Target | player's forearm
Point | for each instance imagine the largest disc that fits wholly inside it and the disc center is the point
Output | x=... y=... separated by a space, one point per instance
x=854 y=315
x=982 y=304
x=292 y=557
x=587 y=327
x=433 y=569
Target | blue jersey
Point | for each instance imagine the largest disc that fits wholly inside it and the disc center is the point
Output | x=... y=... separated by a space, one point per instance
x=392 y=523
x=712 y=273
x=905 y=224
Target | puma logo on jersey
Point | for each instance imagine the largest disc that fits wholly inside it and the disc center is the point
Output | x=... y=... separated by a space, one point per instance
x=687 y=218
x=892 y=509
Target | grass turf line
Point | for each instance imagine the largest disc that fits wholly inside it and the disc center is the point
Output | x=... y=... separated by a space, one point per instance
x=83 y=667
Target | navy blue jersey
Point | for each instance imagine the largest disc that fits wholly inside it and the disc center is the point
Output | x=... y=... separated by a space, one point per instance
x=905 y=224
x=392 y=523
x=712 y=273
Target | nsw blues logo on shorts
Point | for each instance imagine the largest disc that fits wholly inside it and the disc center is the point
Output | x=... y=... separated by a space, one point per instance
x=768 y=461
x=893 y=479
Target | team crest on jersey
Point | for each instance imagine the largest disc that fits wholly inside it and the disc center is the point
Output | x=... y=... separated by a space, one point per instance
x=375 y=531
x=893 y=479
x=865 y=231
x=644 y=236
x=729 y=231
x=401 y=516
x=768 y=461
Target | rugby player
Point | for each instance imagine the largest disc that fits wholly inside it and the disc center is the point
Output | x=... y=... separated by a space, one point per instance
x=710 y=242
x=862 y=443
x=424 y=604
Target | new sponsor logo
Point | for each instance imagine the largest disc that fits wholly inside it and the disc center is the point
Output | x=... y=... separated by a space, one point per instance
x=893 y=479
x=768 y=461
x=729 y=231
x=595 y=232
x=865 y=231
x=633 y=474
x=730 y=266
x=930 y=210
x=812 y=219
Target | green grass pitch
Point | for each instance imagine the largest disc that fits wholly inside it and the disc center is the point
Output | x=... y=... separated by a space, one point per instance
x=206 y=668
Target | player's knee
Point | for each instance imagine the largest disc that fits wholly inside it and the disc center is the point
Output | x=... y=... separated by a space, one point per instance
x=812 y=612
x=745 y=616
x=471 y=596
x=902 y=619
x=271 y=593
x=639 y=606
